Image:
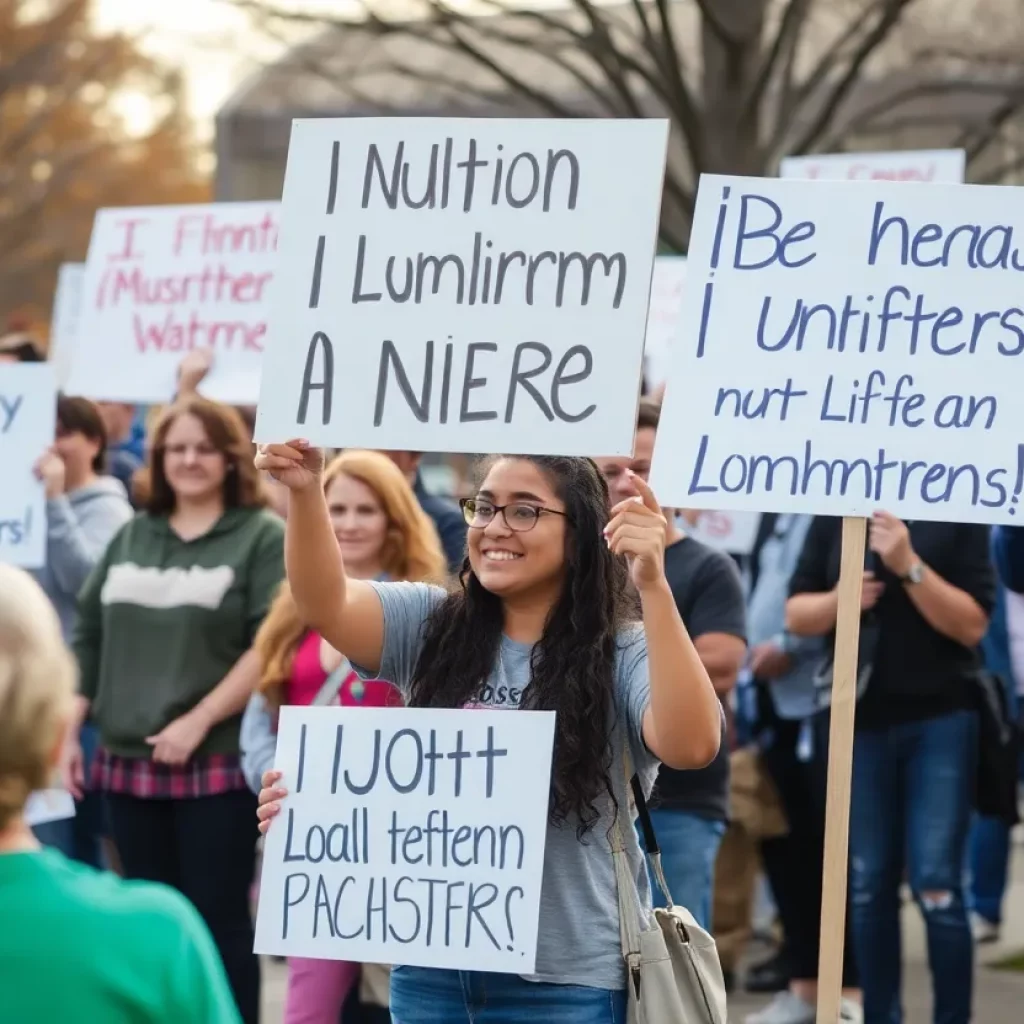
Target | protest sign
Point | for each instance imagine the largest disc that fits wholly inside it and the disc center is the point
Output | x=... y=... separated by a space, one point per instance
x=409 y=836
x=46 y=805
x=64 y=321
x=28 y=413
x=163 y=280
x=846 y=348
x=731 y=532
x=463 y=284
x=928 y=165
x=663 y=316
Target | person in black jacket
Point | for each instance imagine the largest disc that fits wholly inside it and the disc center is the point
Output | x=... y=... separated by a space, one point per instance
x=930 y=595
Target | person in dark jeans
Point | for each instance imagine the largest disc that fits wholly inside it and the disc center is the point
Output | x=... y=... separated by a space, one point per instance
x=794 y=753
x=916 y=742
x=690 y=809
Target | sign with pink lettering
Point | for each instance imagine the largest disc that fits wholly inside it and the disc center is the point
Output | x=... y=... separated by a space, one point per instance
x=921 y=165
x=163 y=280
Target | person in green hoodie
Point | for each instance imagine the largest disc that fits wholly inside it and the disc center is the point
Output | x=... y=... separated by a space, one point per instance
x=79 y=944
x=84 y=509
x=163 y=639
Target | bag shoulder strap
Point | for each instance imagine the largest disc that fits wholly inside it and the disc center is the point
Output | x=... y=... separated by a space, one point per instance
x=331 y=687
x=636 y=790
x=630 y=910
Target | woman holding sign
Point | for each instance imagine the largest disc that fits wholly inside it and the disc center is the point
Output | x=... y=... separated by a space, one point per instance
x=383 y=534
x=930 y=591
x=543 y=621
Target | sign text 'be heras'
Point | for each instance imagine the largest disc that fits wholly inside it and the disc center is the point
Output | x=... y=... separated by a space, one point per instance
x=408 y=836
x=28 y=411
x=849 y=347
x=163 y=280
x=463 y=285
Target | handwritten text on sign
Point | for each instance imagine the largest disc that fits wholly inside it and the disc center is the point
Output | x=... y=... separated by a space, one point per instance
x=161 y=281
x=927 y=165
x=849 y=347
x=409 y=836
x=28 y=410
x=463 y=285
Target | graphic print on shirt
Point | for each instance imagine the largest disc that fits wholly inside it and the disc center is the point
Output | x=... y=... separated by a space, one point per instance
x=174 y=587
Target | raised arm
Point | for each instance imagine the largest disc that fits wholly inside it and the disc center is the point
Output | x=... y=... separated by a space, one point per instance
x=347 y=613
x=683 y=723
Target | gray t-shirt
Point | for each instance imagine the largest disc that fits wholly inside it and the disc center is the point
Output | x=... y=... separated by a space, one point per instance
x=578 y=940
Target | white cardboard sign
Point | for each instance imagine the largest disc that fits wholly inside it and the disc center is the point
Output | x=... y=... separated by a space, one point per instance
x=67 y=304
x=28 y=413
x=849 y=347
x=927 y=165
x=732 y=532
x=463 y=284
x=409 y=836
x=663 y=317
x=162 y=280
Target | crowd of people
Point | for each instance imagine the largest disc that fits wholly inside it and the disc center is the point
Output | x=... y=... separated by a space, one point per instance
x=194 y=585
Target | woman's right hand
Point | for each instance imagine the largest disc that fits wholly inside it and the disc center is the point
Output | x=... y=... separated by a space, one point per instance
x=295 y=464
x=270 y=799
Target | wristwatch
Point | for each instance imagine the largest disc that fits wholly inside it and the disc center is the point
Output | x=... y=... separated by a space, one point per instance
x=915 y=573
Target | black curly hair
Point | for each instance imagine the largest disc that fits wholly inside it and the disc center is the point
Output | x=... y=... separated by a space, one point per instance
x=572 y=665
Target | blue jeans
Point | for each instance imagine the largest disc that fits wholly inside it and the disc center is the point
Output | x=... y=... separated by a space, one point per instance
x=79 y=837
x=990 y=852
x=421 y=995
x=689 y=848
x=913 y=786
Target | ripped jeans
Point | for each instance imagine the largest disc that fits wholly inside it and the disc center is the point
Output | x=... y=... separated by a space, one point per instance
x=911 y=810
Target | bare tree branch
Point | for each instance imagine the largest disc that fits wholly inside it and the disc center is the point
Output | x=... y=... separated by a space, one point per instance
x=715 y=22
x=866 y=120
x=890 y=12
x=789 y=29
x=758 y=87
x=1001 y=172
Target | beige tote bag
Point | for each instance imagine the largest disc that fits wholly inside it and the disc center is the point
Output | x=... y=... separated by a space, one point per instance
x=673 y=972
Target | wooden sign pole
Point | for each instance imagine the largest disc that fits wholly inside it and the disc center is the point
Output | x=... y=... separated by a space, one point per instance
x=840 y=771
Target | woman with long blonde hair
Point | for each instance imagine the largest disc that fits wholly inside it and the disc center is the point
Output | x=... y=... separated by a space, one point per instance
x=383 y=534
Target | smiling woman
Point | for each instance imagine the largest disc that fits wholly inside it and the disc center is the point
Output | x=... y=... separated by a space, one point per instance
x=544 y=619
x=166 y=622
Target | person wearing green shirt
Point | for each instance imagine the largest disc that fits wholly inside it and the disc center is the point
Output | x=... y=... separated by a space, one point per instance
x=79 y=944
x=164 y=633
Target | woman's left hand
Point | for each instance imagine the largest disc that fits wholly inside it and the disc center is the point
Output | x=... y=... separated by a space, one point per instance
x=176 y=743
x=637 y=530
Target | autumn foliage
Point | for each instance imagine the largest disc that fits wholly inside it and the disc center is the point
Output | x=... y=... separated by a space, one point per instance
x=65 y=152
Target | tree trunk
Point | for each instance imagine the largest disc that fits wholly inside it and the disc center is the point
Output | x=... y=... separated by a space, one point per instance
x=732 y=39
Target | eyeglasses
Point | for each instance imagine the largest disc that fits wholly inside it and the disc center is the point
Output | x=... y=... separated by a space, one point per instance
x=518 y=517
